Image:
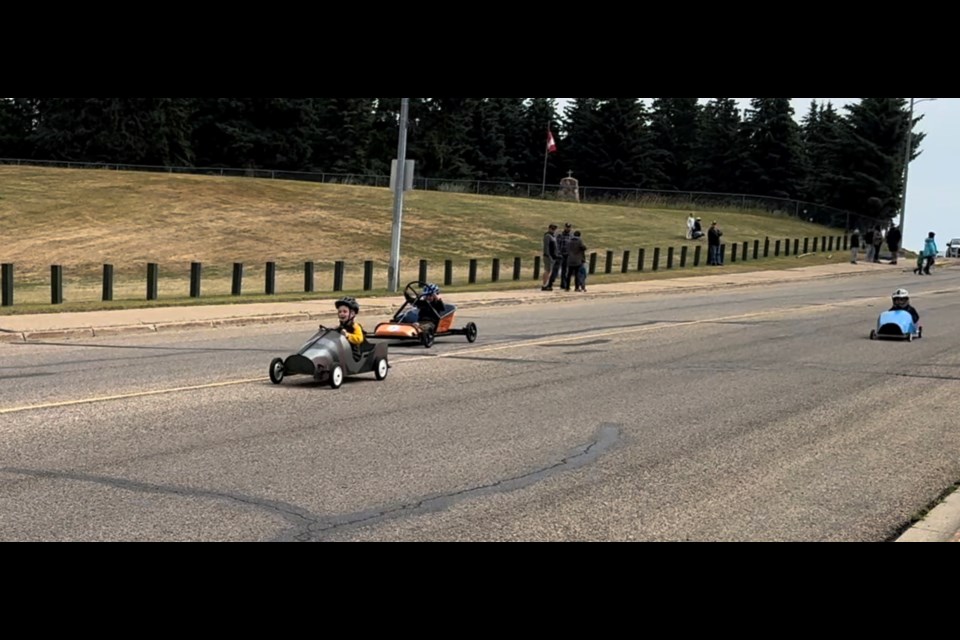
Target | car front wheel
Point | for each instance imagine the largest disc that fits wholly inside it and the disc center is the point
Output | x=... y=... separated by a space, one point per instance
x=336 y=377
x=276 y=371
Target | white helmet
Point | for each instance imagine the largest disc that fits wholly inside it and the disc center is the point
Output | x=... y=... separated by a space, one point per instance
x=900 y=293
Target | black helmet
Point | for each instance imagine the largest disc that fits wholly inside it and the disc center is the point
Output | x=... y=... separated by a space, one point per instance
x=349 y=303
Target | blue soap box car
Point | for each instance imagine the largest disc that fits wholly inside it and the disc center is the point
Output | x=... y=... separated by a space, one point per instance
x=896 y=325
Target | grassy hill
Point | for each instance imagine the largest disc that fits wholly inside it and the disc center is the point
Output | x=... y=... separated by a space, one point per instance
x=84 y=218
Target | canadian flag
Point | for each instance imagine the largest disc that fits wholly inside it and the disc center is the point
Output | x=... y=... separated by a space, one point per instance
x=551 y=143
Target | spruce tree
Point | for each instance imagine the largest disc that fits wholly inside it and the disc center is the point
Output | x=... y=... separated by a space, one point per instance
x=674 y=133
x=774 y=148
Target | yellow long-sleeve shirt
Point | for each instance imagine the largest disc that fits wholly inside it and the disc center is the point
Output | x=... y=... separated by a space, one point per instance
x=353 y=333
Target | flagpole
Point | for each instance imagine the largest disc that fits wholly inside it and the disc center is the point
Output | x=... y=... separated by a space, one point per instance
x=546 y=158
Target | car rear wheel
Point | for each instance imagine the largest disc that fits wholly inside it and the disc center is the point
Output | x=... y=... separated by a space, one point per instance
x=336 y=377
x=873 y=334
x=472 y=332
x=426 y=339
x=276 y=371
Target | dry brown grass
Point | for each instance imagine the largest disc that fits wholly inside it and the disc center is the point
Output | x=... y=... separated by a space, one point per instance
x=84 y=218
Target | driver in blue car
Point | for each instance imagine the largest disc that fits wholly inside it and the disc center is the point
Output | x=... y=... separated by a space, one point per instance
x=901 y=302
x=431 y=309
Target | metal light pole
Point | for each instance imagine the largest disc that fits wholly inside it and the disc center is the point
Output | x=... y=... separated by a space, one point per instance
x=393 y=272
x=908 y=154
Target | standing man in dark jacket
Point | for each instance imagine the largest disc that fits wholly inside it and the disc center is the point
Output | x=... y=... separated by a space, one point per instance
x=714 y=254
x=854 y=246
x=563 y=242
x=551 y=258
x=877 y=242
x=868 y=241
x=893 y=243
x=577 y=255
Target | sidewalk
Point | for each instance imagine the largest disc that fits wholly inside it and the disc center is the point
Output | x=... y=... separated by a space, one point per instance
x=941 y=525
x=89 y=324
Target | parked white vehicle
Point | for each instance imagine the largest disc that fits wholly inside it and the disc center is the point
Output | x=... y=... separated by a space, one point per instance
x=952 y=250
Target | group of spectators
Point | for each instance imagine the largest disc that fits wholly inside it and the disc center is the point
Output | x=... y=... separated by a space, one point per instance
x=564 y=257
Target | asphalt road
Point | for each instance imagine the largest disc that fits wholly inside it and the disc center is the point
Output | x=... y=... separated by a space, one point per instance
x=748 y=414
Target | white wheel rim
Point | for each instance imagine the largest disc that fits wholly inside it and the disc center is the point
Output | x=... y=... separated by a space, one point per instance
x=383 y=368
x=338 y=376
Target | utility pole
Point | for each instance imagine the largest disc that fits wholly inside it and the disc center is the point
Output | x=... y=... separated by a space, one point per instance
x=393 y=272
x=908 y=154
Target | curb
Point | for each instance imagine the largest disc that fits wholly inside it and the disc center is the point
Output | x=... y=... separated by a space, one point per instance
x=940 y=525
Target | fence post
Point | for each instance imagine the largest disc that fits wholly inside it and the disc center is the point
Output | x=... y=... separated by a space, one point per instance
x=815 y=244
x=536 y=267
x=196 y=269
x=656 y=259
x=756 y=249
x=495 y=272
x=723 y=254
x=746 y=251
x=107 y=283
x=766 y=247
x=776 y=250
x=625 y=265
x=6 y=271
x=593 y=263
x=697 y=255
x=448 y=273
x=608 y=267
x=786 y=247
x=368 y=275
x=309 y=279
x=642 y=258
x=153 y=281
x=473 y=272
x=683 y=256
x=424 y=270
x=806 y=245
x=236 y=288
x=270 y=287
x=56 y=284
x=670 y=258
x=517 y=268
x=830 y=248
x=338 y=270
x=796 y=246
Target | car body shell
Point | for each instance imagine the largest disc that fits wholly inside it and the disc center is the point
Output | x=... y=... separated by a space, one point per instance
x=896 y=325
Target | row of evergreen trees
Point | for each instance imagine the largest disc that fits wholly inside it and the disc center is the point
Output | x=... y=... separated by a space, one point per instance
x=851 y=161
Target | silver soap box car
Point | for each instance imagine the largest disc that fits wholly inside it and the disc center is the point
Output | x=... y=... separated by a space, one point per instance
x=329 y=356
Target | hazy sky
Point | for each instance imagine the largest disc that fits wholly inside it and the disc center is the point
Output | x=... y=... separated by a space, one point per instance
x=933 y=186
